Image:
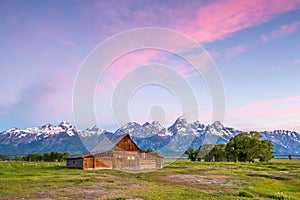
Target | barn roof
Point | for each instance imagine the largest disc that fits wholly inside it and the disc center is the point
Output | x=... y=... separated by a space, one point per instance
x=107 y=143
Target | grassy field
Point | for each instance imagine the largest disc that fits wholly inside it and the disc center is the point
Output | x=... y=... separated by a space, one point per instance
x=279 y=179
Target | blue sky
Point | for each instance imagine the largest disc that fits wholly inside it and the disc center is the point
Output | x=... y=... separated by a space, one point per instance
x=254 y=45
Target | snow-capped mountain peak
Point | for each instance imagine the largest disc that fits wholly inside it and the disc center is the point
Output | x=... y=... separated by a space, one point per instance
x=12 y=130
x=180 y=135
x=65 y=124
x=217 y=125
x=89 y=132
x=180 y=122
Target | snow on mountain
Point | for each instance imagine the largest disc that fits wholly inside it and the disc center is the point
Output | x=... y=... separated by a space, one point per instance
x=89 y=132
x=176 y=138
x=63 y=137
x=142 y=131
x=91 y=137
x=218 y=129
x=182 y=127
x=285 y=142
x=131 y=127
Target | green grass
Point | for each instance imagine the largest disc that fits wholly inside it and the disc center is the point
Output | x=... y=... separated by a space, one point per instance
x=279 y=179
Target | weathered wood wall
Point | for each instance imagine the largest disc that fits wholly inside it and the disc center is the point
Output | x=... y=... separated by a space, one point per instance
x=125 y=160
x=125 y=155
x=118 y=160
x=75 y=163
x=147 y=164
x=88 y=163
x=103 y=162
x=126 y=144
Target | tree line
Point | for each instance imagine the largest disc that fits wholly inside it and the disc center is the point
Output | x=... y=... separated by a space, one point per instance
x=53 y=156
x=244 y=147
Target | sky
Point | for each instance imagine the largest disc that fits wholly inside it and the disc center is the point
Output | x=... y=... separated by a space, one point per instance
x=253 y=45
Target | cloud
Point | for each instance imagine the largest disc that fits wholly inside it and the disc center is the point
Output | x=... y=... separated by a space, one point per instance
x=204 y=22
x=282 y=31
x=131 y=61
x=221 y=19
x=30 y=106
x=47 y=99
x=236 y=50
x=261 y=104
x=268 y=114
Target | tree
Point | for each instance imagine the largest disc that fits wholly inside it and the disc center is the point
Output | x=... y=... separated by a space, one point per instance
x=33 y=157
x=290 y=157
x=46 y=156
x=213 y=153
x=204 y=152
x=3 y=157
x=152 y=151
x=66 y=155
x=245 y=147
x=191 y=154
x=265 y=152
x=219 y=153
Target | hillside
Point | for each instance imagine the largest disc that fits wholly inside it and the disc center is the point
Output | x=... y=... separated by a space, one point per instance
x=171 y=141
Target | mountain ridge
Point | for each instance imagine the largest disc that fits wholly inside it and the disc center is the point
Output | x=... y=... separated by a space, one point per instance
x=173 y=140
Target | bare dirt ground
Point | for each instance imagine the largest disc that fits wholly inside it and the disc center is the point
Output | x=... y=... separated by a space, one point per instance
x=189 y=179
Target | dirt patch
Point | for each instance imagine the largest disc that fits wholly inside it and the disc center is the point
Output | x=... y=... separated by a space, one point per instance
x=94 y=190
x=25 y=196
x=68 y=192
x=133 y=185
x=135 y=199
x=220 y=179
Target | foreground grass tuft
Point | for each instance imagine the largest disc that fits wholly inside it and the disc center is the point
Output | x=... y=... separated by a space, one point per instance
x=245 y=194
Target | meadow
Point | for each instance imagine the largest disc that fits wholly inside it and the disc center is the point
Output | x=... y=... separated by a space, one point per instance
x=181 y=179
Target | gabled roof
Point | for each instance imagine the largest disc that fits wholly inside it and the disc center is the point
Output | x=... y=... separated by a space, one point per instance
x=108 y=143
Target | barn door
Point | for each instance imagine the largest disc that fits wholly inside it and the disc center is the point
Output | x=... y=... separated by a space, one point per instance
x=118 y=162
x=90 y=163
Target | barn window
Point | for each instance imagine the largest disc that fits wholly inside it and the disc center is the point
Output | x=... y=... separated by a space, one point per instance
x=128 y=157
x=132 y=157
x=73 y=162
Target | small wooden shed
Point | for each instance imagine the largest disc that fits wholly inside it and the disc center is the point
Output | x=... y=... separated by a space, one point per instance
x=117 y=152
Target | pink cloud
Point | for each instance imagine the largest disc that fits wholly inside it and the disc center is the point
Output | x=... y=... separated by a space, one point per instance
x=296 y=61
x=281 y=111
x=262 y=104
x=266 y=115
x=274 y=118
x=122 y=65
x=223 y=18
x=237 y=50
x=129 y=62
x=204 y=22
x=283 y=30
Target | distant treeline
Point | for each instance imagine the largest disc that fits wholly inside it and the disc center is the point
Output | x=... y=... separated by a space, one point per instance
x=48 y=157
x=244 y=147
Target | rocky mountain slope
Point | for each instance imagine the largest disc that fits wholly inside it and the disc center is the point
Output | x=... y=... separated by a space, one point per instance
x=171 y=141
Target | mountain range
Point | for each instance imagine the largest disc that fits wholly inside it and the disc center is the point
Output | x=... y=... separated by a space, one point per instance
x=171 y=141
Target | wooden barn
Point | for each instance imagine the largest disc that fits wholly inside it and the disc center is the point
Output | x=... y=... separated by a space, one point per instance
x=117 y=152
